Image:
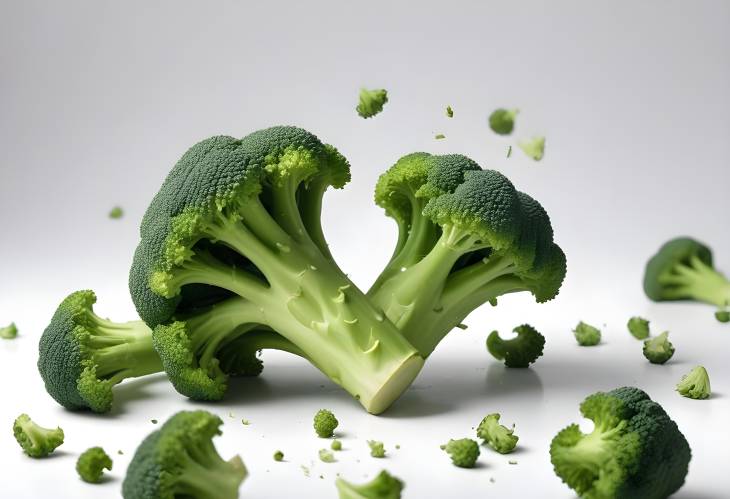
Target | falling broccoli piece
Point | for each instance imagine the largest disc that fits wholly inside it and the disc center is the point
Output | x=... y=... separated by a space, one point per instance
x=722 y=315
x=245 y=422
x=439 y=136
x=326 y=456
x=502 y=121
x=377 y=449
x=534 y=147
x=9 y=332
x=449 y=112
x=92 y=463
x=587 y=335
x=658 y=350
x=116 y=212
x=499 y=438
x=383 y=486
x=464 y=452
x=35 y=440
x=520 y=351
x=371 y=102
x=512 y=461
x=509 y=151
x=639 y=328
x=695 y=385
x=325 y=423
x=336 y=445
x=278 y=456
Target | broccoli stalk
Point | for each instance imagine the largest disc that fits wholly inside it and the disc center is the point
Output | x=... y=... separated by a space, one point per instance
x=383 y=486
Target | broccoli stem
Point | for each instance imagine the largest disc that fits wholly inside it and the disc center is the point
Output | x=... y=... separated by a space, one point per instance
x=592 y=451
x=699 y=280
x=205 y=475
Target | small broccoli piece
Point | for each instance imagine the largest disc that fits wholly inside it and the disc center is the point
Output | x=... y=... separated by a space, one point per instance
x=439 y=136
x=180 y=460
x=9 y=332
x=464 y=452
x=92 y=463
x=658 y=350
x=533 y=148
x=509 y=151
x=695 y=385
x=278 y=456
x=722 y=315
x=449 y=112
x=383 y=486
x=116 y=212
x=371 y=102
x=35 y=440
x=638 y=327
x=587 y=335
x=325 y=423
x=499 y=438
x=377 y=449
x=326 y=456
x=520 y=351
x=502 y=121
x=336 y=445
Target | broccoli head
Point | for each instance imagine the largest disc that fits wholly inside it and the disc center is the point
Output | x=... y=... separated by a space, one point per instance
x=371 y=102
x=325 y=423
x=180 y=460
x=9 y=332
x=659 y=349
x=638 y=327
x=91 y=464
x=35 y=440
x=502 y=121
x=383 y=486
x=696 y=384
x=499 y=438
x=587 y=335
x=635 y=450
x=463 y=452
x=520 y=351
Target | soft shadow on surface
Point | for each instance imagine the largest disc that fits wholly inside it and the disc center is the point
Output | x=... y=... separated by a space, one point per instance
x=504 y=381
x=692 y=494
x=133 y=390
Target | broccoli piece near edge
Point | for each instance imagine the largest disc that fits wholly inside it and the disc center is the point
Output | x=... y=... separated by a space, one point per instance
x=371 y=102
x=587 y=335
x=325 y=423
x=383 y=486
x=116 y=213
x=463 y=452
x=695 y=384
x=638 y=327
x=520 y=351
x=180 y=460
x=634 y=451
x=278 y=456
x=499 y=438
x=9 y=332
x=502 y=121
x=35 y=440
x=92 y=463
x=326 y=456
x=336 y=445
x=377 y=449
x=658 y=350
x=722 y=315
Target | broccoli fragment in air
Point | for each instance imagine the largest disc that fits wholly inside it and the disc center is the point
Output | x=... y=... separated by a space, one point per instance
x=696 y=384
x=587 y=335
x=383 y=486
x=449 y=112
x=502 y=121
x=722 y=315
x=325 y=423
x=35 y=440
x=439 y=136
x=336 y=445
x=377 y=449
x=278 y=456
x=638 y=327
x=533 y=148
x=116 y=213
x=464 y=452
x=371 y=102
x=520 y=351
x=658 y=350
x=9 y=332
x=91 y=464
x=499 y=438
x=326 y=456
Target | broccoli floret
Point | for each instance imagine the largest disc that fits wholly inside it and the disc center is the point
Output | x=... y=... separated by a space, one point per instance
x=520 y=351
x=499 y=438
x=35 y=440
x=180 y=460
x=449 y=112
x=325 y=423
x=658 y=350
x=278 y=456
x=9 y=332
x=92 y=463
x=466 y=237
x=232 y=243
x=634 y=451
x=371 y=102
x=722 y=315
x=383 y=486
x=439 y=136
x=587 y=335
x=695 y=385
x=502 y=121
x=326 y=456
x=116 y=212
x=533 y=148
x=464 y=452
x=377 y=449
x=336 y=445
x=509 y=151
x=638 y=327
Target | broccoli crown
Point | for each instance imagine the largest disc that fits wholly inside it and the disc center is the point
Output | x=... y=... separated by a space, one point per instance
x=696 y=384
x=635 y=450
x=92 y=463
x=377 y=449
x=35 y=440
x=383 y=486
x=9 y=332
x=587 y=335
x=325 y=423
x=502 y=121
x=638 y=327
x=659 y=349
x=499 y=438
x=520 y=351
x=180 y=460
x=371 y=102
x=463 y=452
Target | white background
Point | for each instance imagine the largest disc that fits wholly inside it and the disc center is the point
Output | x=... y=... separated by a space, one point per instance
x=99 y=99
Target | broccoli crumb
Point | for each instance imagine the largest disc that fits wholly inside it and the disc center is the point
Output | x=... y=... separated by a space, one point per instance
x=397 y=446
x=153 y=421
x=92 y=463
x=116 y=213
x=638 y=327
x=512 y=461
x=245 y=422
x=449 y=112
x=509 y=151
x=439 y=136
x=377 y=449
x=533 y=148
x=463 y=452
x=587 y=335
x=305 y=470
x=502 y=121
x=462 y=326
x=325 y=423
x=326 y=456
x=278 y=456
x=9 y=332
x=120 y=452
x=336 y=445
x=371 y=102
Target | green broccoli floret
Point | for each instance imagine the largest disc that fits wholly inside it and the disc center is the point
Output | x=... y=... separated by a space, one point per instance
x=520 y=351
x=587 y=335
x=502 y=121
x=116 y=212
x=371 y=102
x=180 y=460
x=695 y=385
x=634 y=451
x=9 y=332
x=35 y=440
x=336 y=445
x=92 y=463
x=325 y=423
x=499 y=438
x=383 y=486
x=278 y=456
x=439 y=136
x=722 y=315
x=466 y=237
x=533 y=148
x=464 y=452
x=326 y=456
x=638 y=327
x=232 y=243
x=449 y=112
x=377 y=449
x=658 y=350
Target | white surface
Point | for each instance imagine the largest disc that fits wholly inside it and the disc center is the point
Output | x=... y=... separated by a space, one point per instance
x=99 y=99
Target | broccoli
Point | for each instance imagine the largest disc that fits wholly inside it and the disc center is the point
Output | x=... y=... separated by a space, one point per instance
x=439 y=136
x=499 y=438
x=377 y=449
x=383 y=486
x=232 y=244
x=658 y=350
x=35 y=440
x=116 y=212
x=638 y=327
x=325 y=423
x=371 y=102
x=520 y=351
x=466 y=236
x=695 y=385
x=464 y=452
x=326 y=456
x=502 y=121
x=682 y=269
x=9 y=332
x=92 y=463
x=722 y=315
x=533 y=148
x=336 y=445
x=634 y=451
x=449 y=112
x=587 y=335
x=278 y=456
x=180 y=460
x=509 y=151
